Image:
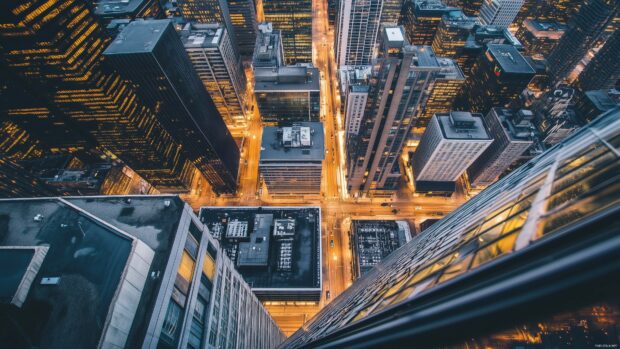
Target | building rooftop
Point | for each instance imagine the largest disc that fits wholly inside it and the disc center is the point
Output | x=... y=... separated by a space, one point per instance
x=510 y=59
x=200 y=35
x=424 y=56
x=296 y=78
x=462 y=125
x=376 y=239
x=449 y=69
x=282 y=260
x=434 y=8
x=301 y=142
x=457 y=18
x=115 y=8
x=268 y=48
x=89 y=245
x=138 y=36
x=604 y=100
x=547 y=29
x=517 y=126
x=394 y=37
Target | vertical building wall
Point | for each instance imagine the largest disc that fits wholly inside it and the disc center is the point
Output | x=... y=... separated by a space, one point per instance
x=499 y=12
x=294 y=20
x=243 y=19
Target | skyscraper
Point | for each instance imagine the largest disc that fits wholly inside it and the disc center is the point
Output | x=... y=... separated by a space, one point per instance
x=499 y=12
x=354 y=83
x=123 y=272
x=268 y=50
x=539 y=38
x=293 y=18
x=61 y=93
x=603 y=71
x=238 y=16
x=421 y=19
x=109 y=10
x=291 y=159
x=211 y=52
x=399 y=80
x=582 y=32
x=512 y=135
x=471 y=8
x=452 y=33
x=150 y=55
x=532 y=256
x=358 y=27
x=451 y=143
x=497 y=78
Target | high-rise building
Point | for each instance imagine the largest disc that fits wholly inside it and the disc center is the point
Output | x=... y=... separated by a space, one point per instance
x=293 y=18
x=358 y=26
x=268 y=51
x=151 y=56
x=534 y=254
x=451 y=143
x=603 y=70
x=288 y=93
x=210 y=50
x=399 y=80
x=15 y=181
x=539 y=38
x=123 y=272
x=500 y=13
x=582 y=31
x=452 y=33
x=109 y=10
x=354 y=83
x=440 y=93
x=497 y=78
x=553 y=116
x=238 y=16
x=291 y=159
x=61 y=93
x=591 y=104
x=421 y=19
x=471 y=8
x=512 y=134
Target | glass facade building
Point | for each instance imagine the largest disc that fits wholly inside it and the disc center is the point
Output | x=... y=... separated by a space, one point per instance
x=293 y=18
x=150 y=55
x=421 y=19
x=537 y=249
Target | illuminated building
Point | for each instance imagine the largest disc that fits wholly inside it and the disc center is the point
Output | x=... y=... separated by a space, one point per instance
x=471 y=8
x=401 y=76
x=452 y=33
x=441 y=92
x=63 y=95
x=15 y=181
x=500 y=13
x=358 y=26
x=539 y=38
x=451 y=143
x=268 y=51
x=497 y=78
x=291 y=159
x=150 y=54
x=287 y=94
x=582 y=32
x=109 y=10
x=421 y=19
x=210 y=50
x=127 y=272
x=603 y=71
x=238 y=16
x=512 y=135
x=354 y=83
x=293 y=18
x=596 y=102
x=554 y=117
x=529 y=261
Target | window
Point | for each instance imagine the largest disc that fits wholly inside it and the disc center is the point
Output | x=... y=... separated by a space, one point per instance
x=185 y=272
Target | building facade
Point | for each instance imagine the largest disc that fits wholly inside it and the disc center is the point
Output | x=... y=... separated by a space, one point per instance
x=358 y=28
x=450 y=144
x=471 y=8
x=603 y=71
x=293 y=18
x=291 y=159
x=60 y=92
x=453 y=31
x=421 y=19
x=512 y=135
x=168 y=286
x=287 y=94
x=401 y=76
x=211 y=52
x=500 y=13
x=243 y=19
x=151 y=50
x=497 y=78
x=539 y=38
x=354 y=83
x=534 y=230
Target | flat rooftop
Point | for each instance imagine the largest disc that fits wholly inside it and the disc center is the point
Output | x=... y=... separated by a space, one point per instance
x=510 y=59
x=425 y=56
x=285 y=143
x=472 y=128
x=138 y=36
x=293 y=260
x=286 y=78
x=84 y=264
x=198 y=35
x=603 y=100
x=376 y=239
x=118 y=7
x=435 y=8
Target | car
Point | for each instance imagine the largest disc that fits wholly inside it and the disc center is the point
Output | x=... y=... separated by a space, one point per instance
x=385 y=204
x=327 y=294
x=331 y=243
